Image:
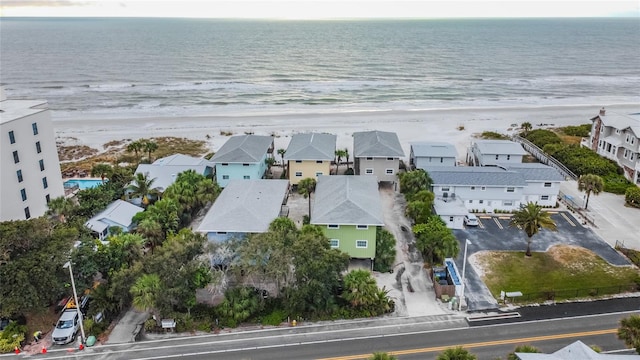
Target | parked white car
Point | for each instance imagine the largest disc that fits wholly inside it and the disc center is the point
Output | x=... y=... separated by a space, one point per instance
x=66 y=328
x=471 y=220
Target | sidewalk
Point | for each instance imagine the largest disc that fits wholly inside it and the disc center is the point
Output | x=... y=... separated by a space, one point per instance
x=613 y=220
x=128 y=327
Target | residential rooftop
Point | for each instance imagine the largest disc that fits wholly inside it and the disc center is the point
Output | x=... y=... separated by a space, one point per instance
x=620 y=121
x=507 y=147
x=347 y=200
x=476 y=176
x=243 y=149
x=118 y=212
x=534 y=171
x=376 y=144
x=433 y=149
x=311 y=146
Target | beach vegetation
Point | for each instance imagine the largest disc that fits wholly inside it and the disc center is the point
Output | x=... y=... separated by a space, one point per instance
x=542 y=137
x=590 y=184
x=629 y=332
x=136 y=147
x=460 y=128
x=150 y=146
x=577 y=131
x=531 y=219
x=492 y=135
x=632 y=196
x=385 y=250
x=226 y=133
x=526 y=127
x=456 y=353
x=435 y=240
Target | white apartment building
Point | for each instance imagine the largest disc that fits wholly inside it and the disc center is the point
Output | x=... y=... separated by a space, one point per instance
x=617 y=137
x=30 y=175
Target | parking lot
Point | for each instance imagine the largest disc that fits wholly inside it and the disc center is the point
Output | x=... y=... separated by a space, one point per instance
x=494 y=233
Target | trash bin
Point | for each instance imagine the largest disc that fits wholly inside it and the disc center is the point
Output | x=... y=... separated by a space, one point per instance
x=91 y=340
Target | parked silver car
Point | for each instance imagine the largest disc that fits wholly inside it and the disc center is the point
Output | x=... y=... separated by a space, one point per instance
x=470 y=220
x=66 y=328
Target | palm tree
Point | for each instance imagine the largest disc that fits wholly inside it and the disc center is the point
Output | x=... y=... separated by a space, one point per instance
x=151 y=230
x=339 y=155
x=526 y=127
x=149 y=147
x=359 y=288
x=457 y=353
x=590 y=183
x=281 y=153
x=61 y=207
x=629 y=331
x=103 y=170
x=522 y=349
x=306 y=187
x=531 y=218
x=142 y=187
x=346 y=157
x=135 y=147
x=381 y=356
x=146 y=292
x=270 y=162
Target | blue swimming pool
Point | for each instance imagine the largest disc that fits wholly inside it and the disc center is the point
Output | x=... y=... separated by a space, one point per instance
x=82 y=183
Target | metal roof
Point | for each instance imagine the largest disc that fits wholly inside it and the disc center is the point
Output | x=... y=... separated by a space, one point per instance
x=311 y=146
x=246 y=206
x=535 y=171
x=347 y=200
x=181 y=159
x=243 y=149
x=492 y=147
x=476 y=176
x=451 y=207
x=575 y=351
x=118 y=212
x=433 y=149
x=165 y=175
x=376 y=144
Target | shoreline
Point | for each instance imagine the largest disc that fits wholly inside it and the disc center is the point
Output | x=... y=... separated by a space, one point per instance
x=457 y=125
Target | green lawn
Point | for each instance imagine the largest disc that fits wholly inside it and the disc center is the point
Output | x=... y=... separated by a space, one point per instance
x=563 y=272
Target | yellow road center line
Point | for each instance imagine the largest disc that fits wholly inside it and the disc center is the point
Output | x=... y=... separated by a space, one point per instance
x=483 y=344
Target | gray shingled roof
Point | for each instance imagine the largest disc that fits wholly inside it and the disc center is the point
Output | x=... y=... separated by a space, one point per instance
x=433 y=149
x=243 y=149
x=119 y=212
x=181 y=159
x=575 y=351
x=245 y=206
x=347 y=200
x=376 y=144
x=535 y=171
x=621 y=121
x=507 y=147
x=476 y=175
x=165 y=175
x=311 y=146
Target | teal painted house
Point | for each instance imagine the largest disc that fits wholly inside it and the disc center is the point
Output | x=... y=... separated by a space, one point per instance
x=349 y=211
x=242 y=157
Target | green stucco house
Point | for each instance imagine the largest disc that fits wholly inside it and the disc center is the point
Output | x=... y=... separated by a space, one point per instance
x=349 y=210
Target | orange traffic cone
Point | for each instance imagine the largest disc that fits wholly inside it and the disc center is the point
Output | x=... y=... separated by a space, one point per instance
x=16 y=350
x=81 y=347
x=44 y=350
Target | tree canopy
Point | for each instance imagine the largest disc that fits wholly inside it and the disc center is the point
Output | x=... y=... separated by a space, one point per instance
x=531 y=218
x=435 y=241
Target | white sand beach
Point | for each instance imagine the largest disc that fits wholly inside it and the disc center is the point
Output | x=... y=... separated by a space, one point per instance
x=416 y=125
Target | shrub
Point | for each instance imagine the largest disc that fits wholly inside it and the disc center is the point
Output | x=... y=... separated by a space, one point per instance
x=275 y=318
x=492 y=135
x=12 y=336
x=632 y=196
x=616 y=184
x=580 y=130
x=542 y=137
x=349 y=171
x=385 y=250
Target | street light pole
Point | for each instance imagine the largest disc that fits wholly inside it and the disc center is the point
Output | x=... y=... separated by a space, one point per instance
x=464 y=272
x=75 y=298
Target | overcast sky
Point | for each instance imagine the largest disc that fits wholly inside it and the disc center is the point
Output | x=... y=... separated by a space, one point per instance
x=320 y=9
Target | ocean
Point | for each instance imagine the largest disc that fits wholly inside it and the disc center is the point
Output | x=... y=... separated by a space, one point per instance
x=91 y=68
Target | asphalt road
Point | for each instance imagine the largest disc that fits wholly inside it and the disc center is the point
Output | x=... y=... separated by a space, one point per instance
x=486 y=341
x=494 y=233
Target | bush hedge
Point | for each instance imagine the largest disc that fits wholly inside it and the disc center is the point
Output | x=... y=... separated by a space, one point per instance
x=632 y=196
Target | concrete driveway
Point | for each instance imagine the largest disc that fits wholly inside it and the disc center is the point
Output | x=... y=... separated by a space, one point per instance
x=494 y=233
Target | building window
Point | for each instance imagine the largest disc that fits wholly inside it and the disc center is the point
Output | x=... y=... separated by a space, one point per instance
x=23 y=193
x=450 y=218
x=16 y=159
x=362 y=227
x=12 y=137
x=38 y=148
x=390 y=159
x=245 y=164
x=298 y=173
x=335 y=243
x=627 y=138
x=368 y=171
x=27 y=213
x=389 y=171
x=41 y=162
x=362 y=244
x=298 y=161
x=473 y=188
x=511 y=189
x=246 y=177
x=333 y=226
x=224 y=164
x=45 y=184
x=221 y=233
x=547 y=184
x=618 y=131
x=507 y=203
x=481 y=201
x=225 y=177
x=632 y=156
x=47 y=198
x=318 y=161
x=369 y=158
x=544 y=197
x=444 y=188
x=19 y=174
x=470 y=201
x=633 y=140
x=34 y=126
x=497 y=157
x=319 y=174
x=508 y=157
x=483 y=188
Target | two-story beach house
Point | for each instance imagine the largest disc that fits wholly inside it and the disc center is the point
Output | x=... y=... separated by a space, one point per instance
x=617 y=137
x=349 y=211
x=543 y=182
x=242 y=157
x=245 y=207
x=164 y=171
x=30 y=175
x=309 y=156
x=480 y=188
x=494 y=152
x=427 y=154
x=377 y=153
x=118 y=214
